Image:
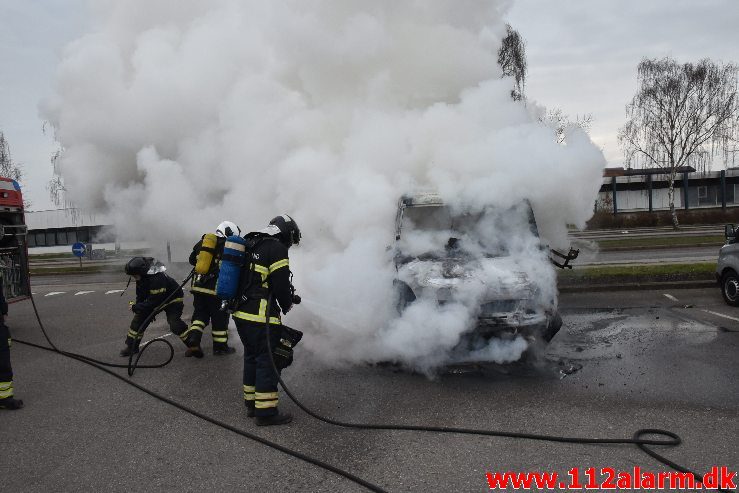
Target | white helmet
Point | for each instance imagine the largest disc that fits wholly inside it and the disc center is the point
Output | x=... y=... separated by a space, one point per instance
x=226 y=229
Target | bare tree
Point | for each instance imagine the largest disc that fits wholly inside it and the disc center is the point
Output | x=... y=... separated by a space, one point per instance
x=9 y=168
x=681 y=115
x=56 y=184
x=561 y=122
x=58 y=192
x=512 y=59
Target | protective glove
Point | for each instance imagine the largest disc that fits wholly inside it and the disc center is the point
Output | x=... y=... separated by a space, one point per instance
x=286 y=309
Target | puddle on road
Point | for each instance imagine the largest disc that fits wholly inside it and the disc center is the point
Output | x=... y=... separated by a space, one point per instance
x=536 y=365
x=621 y=335
x=587 y=338
x=583 y=337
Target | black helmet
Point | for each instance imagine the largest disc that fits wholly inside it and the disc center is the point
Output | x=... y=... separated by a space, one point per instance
x=289 y=231
x=138 y=266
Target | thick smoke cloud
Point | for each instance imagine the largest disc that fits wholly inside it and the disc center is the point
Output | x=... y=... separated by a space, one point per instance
x=174 y=116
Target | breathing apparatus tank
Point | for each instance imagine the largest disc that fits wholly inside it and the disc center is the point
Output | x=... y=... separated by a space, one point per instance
x=234 y=253
x=205 y=256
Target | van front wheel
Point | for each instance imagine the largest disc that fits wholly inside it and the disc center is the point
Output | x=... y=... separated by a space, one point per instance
x=730 y=288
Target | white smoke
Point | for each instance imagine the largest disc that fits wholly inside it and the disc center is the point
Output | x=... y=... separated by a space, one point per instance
x=174 y=116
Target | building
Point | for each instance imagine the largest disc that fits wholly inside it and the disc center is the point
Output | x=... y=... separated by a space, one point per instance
x=646 y=190
x=65 y=227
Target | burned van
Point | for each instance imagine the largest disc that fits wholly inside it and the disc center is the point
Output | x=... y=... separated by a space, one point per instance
x=492 y=261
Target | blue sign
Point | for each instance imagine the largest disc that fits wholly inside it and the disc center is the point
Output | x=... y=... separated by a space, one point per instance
x=78 y=249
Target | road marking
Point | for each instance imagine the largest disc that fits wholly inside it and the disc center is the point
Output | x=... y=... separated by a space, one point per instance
x=722 y=315
x=114 y=291
x=669 y=296
x=83 y=292
x=54 y=293
x=157 y=337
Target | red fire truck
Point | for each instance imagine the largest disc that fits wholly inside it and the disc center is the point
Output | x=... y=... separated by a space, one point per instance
x=13 y=246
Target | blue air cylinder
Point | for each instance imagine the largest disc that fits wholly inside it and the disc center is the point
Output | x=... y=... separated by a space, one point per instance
x=231 y=262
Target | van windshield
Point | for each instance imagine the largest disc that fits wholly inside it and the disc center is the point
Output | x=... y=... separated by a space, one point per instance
x=439 y=218
x=436 y=231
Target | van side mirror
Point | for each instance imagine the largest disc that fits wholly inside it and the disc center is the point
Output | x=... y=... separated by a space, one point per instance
x=729 y=231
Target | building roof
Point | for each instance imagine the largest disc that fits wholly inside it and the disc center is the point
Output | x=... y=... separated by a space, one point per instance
x=64 y=218
x=620 y=171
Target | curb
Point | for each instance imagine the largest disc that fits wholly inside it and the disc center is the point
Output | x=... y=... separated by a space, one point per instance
x=640 y=286
x=660 y=247
x=53 y=272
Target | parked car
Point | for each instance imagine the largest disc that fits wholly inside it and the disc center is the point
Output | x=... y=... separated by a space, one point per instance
x=727 y=268
x=512 y=304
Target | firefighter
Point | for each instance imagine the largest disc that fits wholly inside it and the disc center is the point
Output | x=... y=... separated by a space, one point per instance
x=155 y=291
x=7 y=401
x=206 y=305
x=268 y=268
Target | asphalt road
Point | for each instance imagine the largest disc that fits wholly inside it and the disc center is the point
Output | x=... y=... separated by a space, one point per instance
x=622 y=361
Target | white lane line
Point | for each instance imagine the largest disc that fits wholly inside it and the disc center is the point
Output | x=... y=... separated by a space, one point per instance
x=157 y=337
x=83 y=292
x=114 y=291
x=670 y=297
x=722 y=315
x=54 y=293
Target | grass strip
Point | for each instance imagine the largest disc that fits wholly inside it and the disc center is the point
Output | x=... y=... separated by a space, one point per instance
x=663 y=241
x=51 y=271
x=108 y=253
x=655 y=271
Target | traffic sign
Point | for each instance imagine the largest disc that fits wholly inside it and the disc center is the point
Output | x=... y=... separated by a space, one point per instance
x=78 y=249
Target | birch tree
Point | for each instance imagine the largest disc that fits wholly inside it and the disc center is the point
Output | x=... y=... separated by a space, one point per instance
x=681 y=115
x=512 y=60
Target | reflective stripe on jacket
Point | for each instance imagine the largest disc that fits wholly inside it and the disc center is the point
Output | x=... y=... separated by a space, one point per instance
x=152 y=290
x=269 y=261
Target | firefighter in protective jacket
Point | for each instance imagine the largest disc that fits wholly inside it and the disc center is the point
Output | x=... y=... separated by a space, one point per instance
x=268 y=268
x=7 y=401
x=206 y=305
x=155 y=291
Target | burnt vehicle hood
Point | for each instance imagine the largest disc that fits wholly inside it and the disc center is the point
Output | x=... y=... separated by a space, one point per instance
x=495 y=278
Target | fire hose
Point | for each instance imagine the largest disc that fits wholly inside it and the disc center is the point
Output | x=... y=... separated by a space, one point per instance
x=132 y=365
x=638 y=439
x=104 y=366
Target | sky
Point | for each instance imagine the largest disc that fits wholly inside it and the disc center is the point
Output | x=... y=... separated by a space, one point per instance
x=33 y=34
x=582 y=57
x=582 y=54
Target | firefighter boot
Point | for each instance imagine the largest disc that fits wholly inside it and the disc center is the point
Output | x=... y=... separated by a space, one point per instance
x=193 y=345
x=131 y=348
x=277 y=419
x=221 y=348
x=194 y=351
x=249 y=409
x=11 y=403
